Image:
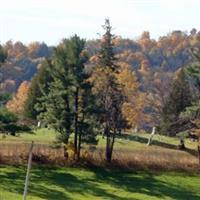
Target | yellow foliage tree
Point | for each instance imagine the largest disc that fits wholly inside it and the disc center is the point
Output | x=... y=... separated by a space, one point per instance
x=16 y=105
x=133 y=106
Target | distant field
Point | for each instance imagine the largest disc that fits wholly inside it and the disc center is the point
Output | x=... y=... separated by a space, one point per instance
x=38 y=136
x=132 y=141
x=84 y=184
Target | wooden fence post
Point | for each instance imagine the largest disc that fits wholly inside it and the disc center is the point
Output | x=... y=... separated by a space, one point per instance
x=28 y=172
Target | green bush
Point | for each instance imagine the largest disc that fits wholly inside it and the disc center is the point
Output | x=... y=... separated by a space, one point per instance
x=8 y=123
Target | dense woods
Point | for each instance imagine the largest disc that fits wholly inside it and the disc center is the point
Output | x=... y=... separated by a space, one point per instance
x=146 y=56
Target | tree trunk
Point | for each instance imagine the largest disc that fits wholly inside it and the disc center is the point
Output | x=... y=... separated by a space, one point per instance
x=108 y=149
x=65 y=149
x=76 y=123
x=109 y=146
x=199 y=153
x=112 y=144
x=66 y=155
x=108 y=140
x=181 y=145
x=79 y=147
x=13 y=133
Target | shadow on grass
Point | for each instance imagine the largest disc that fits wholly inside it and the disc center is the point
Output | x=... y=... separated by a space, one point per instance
x=145 y=183
x=140 y=139
x=63 y=184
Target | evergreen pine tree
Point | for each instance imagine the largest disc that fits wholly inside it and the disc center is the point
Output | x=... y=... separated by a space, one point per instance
x=192 y=113
x=66 y=106
x=179 y=98
x=193 y=72
x=106 y=53
x=107 y=90
x=39 y=85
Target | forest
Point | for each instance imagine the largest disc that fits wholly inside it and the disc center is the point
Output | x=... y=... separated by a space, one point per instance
x=154 y=63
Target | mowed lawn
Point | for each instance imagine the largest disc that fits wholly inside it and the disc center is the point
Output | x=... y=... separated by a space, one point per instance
x=94 y=184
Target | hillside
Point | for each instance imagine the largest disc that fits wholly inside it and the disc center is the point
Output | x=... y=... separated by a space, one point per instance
x=148 y=57
x=22 y=63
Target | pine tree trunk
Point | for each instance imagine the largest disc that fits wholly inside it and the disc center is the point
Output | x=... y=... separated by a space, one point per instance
x=79 y=146
x=199 y=153
x=76 y=123
x=108 y=142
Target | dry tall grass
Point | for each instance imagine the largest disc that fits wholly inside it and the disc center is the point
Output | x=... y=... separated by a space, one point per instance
x=153 y=157
x=150 y=158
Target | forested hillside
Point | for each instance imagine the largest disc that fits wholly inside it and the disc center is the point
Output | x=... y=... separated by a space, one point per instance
x=22 y=63
x=145 y=55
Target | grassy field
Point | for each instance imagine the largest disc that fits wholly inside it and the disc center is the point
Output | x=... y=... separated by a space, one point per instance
x=131 y=141
x=130 y=151
x=39 y=136
x=83 y=184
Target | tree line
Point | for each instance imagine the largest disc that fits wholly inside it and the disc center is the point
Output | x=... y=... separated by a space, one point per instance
x=77 y=100
x=146 y=56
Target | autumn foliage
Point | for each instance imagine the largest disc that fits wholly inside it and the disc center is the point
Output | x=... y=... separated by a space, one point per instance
x=133 y=106
x=16 y=105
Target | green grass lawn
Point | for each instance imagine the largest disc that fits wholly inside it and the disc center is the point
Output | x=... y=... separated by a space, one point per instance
x=38 y=136
x=130 y=141
x=82 y=184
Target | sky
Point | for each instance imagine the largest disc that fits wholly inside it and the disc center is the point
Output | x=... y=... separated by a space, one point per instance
x=52 y=20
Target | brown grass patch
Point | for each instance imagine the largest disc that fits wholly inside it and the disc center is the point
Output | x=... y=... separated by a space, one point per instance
x=153 y=158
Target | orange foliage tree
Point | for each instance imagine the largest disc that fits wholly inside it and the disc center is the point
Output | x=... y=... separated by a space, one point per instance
x=135 y=101
x=16 y=105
